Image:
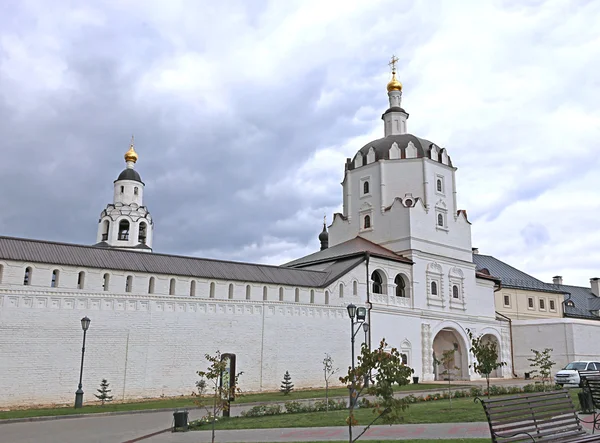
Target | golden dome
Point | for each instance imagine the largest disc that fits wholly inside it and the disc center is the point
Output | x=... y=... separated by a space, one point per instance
x=131 y=155
x=394 y=84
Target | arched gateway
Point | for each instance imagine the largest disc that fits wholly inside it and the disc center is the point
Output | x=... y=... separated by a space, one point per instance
x=447 y=339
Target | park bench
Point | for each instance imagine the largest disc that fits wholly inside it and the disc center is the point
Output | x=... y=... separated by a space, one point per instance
x=541 y=416
x=591 y=390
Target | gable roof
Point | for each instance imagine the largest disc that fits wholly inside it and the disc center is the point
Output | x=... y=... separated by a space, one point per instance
x=512 y=277
x=67 y=254
x=351 y=248
x=584 y=300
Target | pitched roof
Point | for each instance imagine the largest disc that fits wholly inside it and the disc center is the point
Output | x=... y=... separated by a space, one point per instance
x=583 y=299
x=38 y=251
x=350 y=248
x=512 y=277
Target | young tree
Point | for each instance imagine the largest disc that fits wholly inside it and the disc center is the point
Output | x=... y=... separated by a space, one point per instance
x=389 y=370
x=542 y=363
x=103 y=392
x=222 y=392
x=286 y=384
x=447 y=362
x=486 y=357
x=328 y=371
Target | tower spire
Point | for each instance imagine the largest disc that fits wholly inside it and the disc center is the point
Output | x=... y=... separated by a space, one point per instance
x=395 y=117
x=324 y=235
x=131 y=156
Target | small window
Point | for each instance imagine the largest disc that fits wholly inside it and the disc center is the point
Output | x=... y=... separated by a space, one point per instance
x=151 y=285
x=377 y=283
x=341 y=290
x=81 y=280
x=248 y=292
x=326 y=297
x=122 y=189
x=530 y=302
x=570 y=303
x=192 y=288
x=297 y=295
x=434 y=288
x=211 y=291
x=172 y=287
x=507 y=300
x=454 y=291
x=440 y=220
x=1 y=272
x=106 y=282
x=135 y=191
x=312 y=295
x=265 y=293
x=439 y=185
x=128 y=283
x=230 y=293
x=404 y=359
x=355 y=288
x=54 y=281
x=142 y=233
x=542 y=304
x=366 y=187
x=27 y=277
x=400 y=286
x=367 y=221
x=280 y=294
x=552 y=305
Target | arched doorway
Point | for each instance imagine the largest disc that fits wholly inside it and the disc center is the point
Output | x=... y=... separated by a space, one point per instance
x=489 y=338
x=446 y=340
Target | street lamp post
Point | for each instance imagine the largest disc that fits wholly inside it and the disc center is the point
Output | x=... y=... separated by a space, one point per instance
x=85 y=324
x=360 y=314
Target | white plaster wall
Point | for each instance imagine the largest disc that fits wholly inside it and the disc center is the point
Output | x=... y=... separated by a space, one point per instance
x=128 y=196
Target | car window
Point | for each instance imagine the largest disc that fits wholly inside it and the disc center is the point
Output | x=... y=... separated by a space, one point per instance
x=597 y=365
x=577 y=365
x=591 y=367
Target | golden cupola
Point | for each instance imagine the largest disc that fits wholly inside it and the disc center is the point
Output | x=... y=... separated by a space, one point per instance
x=394 y=84
x=131 y=155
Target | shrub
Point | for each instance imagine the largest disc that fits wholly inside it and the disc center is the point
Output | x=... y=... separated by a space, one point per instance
x=294 y=407
x=261 y=410
x=475 y=391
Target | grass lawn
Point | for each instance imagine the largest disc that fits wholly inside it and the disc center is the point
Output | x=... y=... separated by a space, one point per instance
x=182 y=402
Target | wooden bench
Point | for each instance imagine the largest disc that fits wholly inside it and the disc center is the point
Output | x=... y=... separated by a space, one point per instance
x=540 y=416
x=591 y=387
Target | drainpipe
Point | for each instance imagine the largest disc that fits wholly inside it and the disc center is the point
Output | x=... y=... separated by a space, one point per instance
x=512 y=353
x=367 y=256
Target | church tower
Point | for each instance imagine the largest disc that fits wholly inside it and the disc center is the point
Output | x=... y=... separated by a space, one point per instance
x=399 y=191
x=126 y=223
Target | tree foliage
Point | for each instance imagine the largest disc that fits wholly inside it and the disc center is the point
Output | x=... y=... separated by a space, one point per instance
x=286 y=385
x=328 y=371
x=447 y=362
x=542 y=365
x=486 y=357
x=103 y=393
x=388 y=370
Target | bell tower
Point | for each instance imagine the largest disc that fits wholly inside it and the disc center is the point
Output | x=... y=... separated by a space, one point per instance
x=126 y=222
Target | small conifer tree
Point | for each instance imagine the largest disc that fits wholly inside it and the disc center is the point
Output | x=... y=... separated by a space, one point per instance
x=286 y=384
x=103 y=392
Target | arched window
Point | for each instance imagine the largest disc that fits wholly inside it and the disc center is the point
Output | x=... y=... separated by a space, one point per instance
x=400 y=286
x=440 y=220
x=280 y=294
x=135 y=191
x=54 y=281
x=454 y=291
x=81 y=280
x=211 y=291
x=172 y=287
x=366 y=187
x=264 y=293
x=192 y=288
x=367 y=221
x=151 y=285
x=230 y=294
x=326 y=297
x=434 y=288
x=142 y=233
x=105 y=229
x=341 y=290
x=377 y=283
x=248 y=292
x=354 y=287
x=105 y=282
x=1 y=272
x=439 y=185
x=404 y=359
x=312 y=295
x=570 y=304
x=129 y=283
x=27 y=277
x=122 y=189
x=123 y=230
x=297 y=295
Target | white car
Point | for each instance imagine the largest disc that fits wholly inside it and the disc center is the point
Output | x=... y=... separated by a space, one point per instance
x=570 y=376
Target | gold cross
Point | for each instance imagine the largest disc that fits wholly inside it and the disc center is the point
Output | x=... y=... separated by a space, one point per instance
x=393 y=62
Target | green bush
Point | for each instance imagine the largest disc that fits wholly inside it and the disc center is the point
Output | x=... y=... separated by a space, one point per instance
x=475 y=391
x=261 y=410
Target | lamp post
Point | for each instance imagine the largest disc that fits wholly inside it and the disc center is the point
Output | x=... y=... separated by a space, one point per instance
x=360 y=314
x=85 y=324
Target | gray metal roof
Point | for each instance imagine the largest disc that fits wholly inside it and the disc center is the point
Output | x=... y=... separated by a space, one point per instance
x=512 y=277
x=356 y=246
x=37 y=251
x=583 y=298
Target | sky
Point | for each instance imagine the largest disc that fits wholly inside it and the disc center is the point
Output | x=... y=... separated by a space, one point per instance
x=245 y=111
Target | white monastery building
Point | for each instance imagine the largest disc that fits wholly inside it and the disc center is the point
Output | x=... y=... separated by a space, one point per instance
x=401 y=248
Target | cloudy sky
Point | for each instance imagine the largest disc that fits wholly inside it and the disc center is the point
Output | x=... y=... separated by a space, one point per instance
x=244 y=112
